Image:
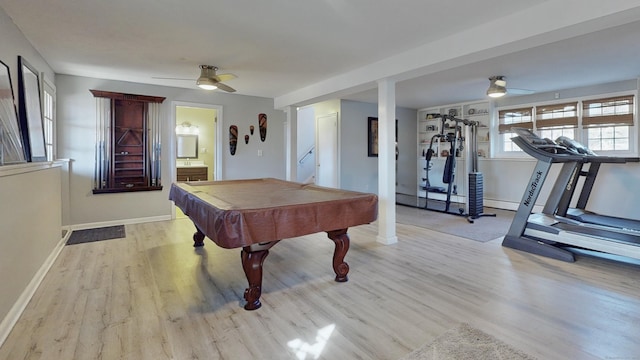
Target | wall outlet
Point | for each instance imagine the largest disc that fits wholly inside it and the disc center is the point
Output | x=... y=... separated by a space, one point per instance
x=259 y=152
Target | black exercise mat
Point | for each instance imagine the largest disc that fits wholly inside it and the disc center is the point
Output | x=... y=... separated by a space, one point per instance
x=97 y=234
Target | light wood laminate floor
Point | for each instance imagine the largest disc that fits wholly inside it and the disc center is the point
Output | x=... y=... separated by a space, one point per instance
x=153 y=296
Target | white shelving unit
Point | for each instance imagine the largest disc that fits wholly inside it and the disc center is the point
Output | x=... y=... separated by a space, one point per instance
x=480 y=112
x=429 y=124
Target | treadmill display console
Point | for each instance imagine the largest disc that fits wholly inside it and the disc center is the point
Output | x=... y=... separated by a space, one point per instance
x=574 y=145
x=547 y=145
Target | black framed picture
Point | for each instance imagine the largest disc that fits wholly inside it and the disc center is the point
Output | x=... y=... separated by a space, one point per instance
x=30 y=109
x=11 y=151
x=372 y=148
x=372 y=144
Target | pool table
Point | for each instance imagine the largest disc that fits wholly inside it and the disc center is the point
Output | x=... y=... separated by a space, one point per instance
x=255 y=214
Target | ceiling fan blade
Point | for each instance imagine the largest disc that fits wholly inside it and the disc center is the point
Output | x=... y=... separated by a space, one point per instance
x=520 y=91
x=226 y=88
x=225 y=77
x=170 y=78
x=209 y=77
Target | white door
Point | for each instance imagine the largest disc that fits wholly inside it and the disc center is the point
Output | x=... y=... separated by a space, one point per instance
x=327 y=150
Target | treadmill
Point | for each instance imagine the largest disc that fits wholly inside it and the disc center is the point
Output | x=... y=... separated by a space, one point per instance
x=549 y=233
x=579 y=213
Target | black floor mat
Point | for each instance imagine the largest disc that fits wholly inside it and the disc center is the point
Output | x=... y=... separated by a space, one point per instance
x=97 y=234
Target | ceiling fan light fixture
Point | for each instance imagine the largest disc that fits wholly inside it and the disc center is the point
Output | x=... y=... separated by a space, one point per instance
x=207 y=80
x=206 y=83
x=497 y=86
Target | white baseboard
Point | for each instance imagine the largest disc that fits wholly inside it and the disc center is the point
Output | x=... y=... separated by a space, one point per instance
x=120 y=222
x=508 y=205
x=16 y=310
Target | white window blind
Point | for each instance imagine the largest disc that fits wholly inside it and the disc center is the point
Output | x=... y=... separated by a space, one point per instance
x=609 y=111
x=557 y=115
x=522 y=117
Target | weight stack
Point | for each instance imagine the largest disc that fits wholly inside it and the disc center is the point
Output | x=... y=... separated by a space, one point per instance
x=476 y=205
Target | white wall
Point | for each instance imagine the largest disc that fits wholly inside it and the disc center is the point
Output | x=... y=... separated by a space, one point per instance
x=305 y=141
x=358 y=171
x=13 y=43
x=77 y=130
x=505 y=181
x=406 y=180
x=323 y=109
x=306 y=129
x=30 y=195
x=31 y=223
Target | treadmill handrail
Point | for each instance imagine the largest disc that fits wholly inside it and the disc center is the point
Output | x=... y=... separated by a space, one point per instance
x=606 y=159
x=546 y=156
x=535 y=146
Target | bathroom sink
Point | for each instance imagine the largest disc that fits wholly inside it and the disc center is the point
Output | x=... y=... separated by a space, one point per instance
x=190 y=163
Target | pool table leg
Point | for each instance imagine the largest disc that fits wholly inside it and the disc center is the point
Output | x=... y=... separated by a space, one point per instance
x=341 y=239
x=252 y=259
x=198 y=238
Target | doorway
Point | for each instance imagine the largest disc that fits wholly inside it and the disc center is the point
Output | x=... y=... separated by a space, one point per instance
x=327 y=151
x=196 y=143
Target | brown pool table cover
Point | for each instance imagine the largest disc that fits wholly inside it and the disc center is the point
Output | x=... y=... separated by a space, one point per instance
x=238 y=213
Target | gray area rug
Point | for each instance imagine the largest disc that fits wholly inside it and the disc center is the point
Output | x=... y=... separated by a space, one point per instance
x=483 y=229
x=97 y=234
x=467 y=343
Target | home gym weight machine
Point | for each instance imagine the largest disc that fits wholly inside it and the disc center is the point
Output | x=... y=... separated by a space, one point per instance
x=456 y=139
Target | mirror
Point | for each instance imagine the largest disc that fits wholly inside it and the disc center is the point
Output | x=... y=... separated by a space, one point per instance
x=187 y=146
x=31 y=121
x=11 y=150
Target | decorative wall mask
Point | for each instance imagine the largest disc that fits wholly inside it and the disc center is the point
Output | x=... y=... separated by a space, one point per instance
x=246 y=139
x=251 y=129
x=233 y=139
x=262 y=123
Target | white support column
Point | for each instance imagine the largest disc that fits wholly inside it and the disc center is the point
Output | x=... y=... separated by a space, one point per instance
x=291 y=136
x=386 y=162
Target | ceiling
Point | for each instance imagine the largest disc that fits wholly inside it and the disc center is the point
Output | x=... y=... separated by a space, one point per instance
x=309 y=50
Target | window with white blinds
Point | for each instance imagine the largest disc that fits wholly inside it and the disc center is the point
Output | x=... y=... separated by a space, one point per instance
x=609 y=111
x=603 y=124
x=607 y=122
x=521 y=117
x=555 y=120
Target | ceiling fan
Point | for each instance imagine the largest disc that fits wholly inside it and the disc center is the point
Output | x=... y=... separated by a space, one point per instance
x=209 y=80
x=498 y=87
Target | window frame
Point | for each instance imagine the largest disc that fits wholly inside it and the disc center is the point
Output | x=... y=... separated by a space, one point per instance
x=499 y=147
x=581 y=131
x=49 y=117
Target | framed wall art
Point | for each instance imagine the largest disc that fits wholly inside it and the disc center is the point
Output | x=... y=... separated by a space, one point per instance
x=30 y=109
x=11 y=149
x=372 y=135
